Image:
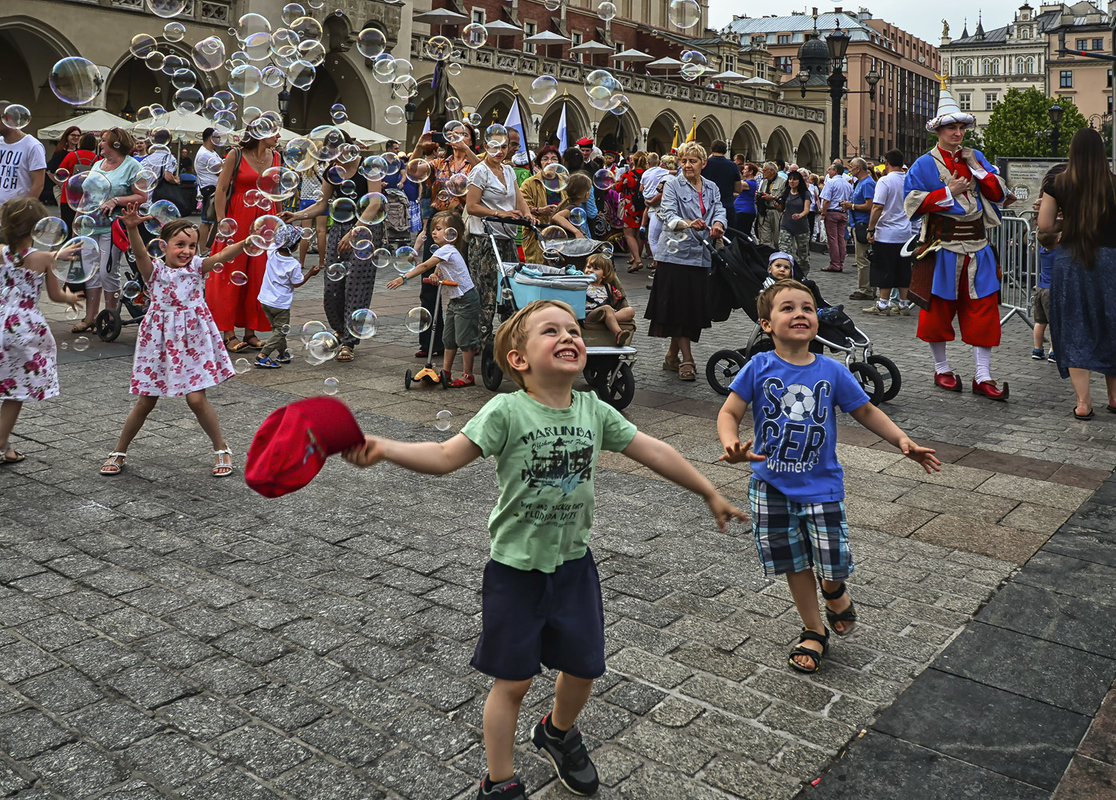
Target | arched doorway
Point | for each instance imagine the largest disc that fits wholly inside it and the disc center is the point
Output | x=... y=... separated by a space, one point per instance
x=709 y=130
x=132 y=85
x=746 y=142
x=809 y=153
x=779 y=146
x=662 y=132
x=337 y=81
x=28 y=51
x=618 y=132
x=577 y=121
x=495 y=105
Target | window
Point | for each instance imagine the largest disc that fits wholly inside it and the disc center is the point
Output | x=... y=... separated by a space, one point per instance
x=991 y=100
x=1082 y=44
x=965 y=101
x=1098 y=44
x=576 y=38
x=529 y=29
x=1109 y=82
x=872 y=119
x=784 y=64
x=479 y=16
x=1065 y=79
x=783 y=38
x=1026 y=33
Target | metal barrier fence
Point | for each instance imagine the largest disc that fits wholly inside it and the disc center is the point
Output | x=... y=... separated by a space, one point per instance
x=1018 y=251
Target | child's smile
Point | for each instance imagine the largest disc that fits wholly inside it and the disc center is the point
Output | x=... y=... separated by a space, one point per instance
x=793 y=316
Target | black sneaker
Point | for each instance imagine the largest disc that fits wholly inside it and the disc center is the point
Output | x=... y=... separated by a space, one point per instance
x=569 y=757
x=508 y=790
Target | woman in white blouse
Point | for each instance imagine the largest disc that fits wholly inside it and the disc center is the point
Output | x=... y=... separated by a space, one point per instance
x=492 y=193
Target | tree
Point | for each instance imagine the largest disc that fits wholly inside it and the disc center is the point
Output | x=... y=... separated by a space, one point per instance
x=1020 y=126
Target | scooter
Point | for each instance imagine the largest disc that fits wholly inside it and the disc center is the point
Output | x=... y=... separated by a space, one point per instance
x=429 y=375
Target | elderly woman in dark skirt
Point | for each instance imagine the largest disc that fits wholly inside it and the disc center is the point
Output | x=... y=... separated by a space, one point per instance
x=679 y=303
x=1083 y=284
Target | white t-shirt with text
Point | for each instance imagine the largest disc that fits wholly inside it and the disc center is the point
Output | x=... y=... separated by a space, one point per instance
x=17 y=162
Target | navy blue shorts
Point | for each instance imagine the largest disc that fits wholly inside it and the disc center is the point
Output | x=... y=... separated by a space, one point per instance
x=532 y=619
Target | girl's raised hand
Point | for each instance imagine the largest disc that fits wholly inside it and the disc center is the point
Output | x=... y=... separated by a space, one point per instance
x=131 y=216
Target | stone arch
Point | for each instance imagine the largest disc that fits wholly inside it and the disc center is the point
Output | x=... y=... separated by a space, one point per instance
x=809 y=154
x=710 y=129
x=338 y=80
x=746 y=142
x=779 y=145
x=620 y=132
x=495 y=105
x=577 y=121
x=660 y=134
x=131 y=85
x=28 y=50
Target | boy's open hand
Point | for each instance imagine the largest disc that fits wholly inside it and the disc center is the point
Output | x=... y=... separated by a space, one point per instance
x=371 y=452
x=724 y=511
x=923 y=455
x=737 y=453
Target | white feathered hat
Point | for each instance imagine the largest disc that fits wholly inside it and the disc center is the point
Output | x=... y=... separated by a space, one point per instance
x=948 y=110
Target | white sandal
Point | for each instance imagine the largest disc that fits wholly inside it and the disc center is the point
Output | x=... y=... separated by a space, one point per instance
x=223 y=466
x=116 y=465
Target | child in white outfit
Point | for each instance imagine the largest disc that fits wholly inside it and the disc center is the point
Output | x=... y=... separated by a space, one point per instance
x=460 y=303
x=282 y=275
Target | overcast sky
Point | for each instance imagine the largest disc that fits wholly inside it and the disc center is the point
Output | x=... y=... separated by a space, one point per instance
x=924 y=20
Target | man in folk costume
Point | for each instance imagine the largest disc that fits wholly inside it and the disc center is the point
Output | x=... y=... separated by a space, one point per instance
x=956 y=195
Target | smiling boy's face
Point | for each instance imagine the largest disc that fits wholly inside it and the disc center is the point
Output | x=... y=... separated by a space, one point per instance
x=794 y=316
x=553 y=345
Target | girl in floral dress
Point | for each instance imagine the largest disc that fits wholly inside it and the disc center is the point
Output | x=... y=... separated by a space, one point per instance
x=179 y=350
x=28 y=367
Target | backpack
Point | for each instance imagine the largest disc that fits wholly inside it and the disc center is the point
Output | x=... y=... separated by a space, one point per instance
x=398 y=211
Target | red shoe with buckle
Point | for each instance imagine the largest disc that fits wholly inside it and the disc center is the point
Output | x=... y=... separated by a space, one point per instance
x=990 y=390
x=465 y=380
x=948 y=381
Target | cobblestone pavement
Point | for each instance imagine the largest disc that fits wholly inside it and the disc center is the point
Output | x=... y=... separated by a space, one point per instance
x=166 y=634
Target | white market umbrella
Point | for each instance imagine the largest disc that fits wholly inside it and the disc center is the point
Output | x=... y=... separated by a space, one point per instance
x=665 y=63
x=501 y=28
x=632 y=55
x=591 y=48
x=360 y=134
x=758 y=82
x=729 y=75
x=440 y=16
x=181 y=125
x=547 y=38
x=94 y=121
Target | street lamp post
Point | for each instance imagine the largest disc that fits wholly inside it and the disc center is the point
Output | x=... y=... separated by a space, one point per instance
x=1055 y=113
x=284 y=104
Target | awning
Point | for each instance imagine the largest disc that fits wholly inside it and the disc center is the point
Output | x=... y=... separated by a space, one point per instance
x=501 y=28
x=95 y=121
x=664 y=63
x=440 y=16
x=547 y=37
x=632 y=55
x=728 y=75
x=591 y=48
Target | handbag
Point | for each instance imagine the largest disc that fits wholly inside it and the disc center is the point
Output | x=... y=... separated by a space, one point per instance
x=860 y=231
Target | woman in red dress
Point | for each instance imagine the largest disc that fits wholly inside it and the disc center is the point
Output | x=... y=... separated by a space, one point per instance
x=236 y=306
x=631 y=208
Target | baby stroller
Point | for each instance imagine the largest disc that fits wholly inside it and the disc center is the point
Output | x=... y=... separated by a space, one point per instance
x=739 y=272
x=608 y=367
x=110 y=322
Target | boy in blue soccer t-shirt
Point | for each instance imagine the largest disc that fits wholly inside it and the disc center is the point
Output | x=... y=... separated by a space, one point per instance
x=541 y=595
x=797 y=487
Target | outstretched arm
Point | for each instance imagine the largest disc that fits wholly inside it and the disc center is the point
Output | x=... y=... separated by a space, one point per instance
x=660 y=457
x=728 y=431
x=225 y=254
x=880 y=424
x=132 y=219
x=430 y=458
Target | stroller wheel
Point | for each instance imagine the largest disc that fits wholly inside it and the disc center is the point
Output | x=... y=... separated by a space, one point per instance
x=870 y=380
x=617 y=390
x=721 y=368
x=892 y=381
x=491 y=374
x=108 y=325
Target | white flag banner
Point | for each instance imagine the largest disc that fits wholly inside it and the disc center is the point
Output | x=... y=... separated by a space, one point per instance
x=514 y=121
x=563 y=138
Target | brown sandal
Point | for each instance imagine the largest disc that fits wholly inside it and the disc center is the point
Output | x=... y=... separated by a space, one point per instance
x=345 y=353
x=687 y=371
x=234 y=345
x=254 y=342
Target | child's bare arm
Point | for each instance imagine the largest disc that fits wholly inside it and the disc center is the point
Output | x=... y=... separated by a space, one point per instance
x=310 y=274
x=430 y=458
x=665 y=460
x=425 y=266
x=728 y=431
x=880 y=424
x=225 y=254
x=131 y=219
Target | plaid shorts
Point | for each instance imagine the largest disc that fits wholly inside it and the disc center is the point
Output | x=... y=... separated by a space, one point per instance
x=793 y=536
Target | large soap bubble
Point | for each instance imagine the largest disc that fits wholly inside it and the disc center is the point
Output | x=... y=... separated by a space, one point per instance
x=75 y=80
x=417 y=320
x=166 y=8
x=684 y=13
x=78 y=260
x=362 y=323
x=209 y=54
x=49 y=232
x=371 y=42
x=160 y=213
x=543 y=89
x=245 y=80
x=474 y=35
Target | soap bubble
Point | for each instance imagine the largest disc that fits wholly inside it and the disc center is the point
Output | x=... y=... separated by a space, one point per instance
x=362 y=323
x=454 y=69
x=244 y=80
x=332 y=386
x=161 y=212
x=81 y=344
x=307 y=28
x=381 y=257
x=312 y=52
x=238 y=278
x=87 y=191
x=185 y=78
x=606 y=11
x=78 y=260
x=577 y=216
x=268 y=227
x=373 y=168
x=555 y=177
x=418 y=320
x=84 y=225
x=209 y=54
x=453 y=103
x=371 y=42
x=130 y=290
x=495 y=136
x=298 y=153
x=603 y=180
x=379 y=214
x=457 y=184
x=417 y=170
x=394 y=163
x=278 y=183
x=455 y=131
x=144 y=44
x=156 y=248
x=241 y=365
x=553 y=233
x=49 y=232
x=405 y=259
x=227 y=228
x=336 y=271
x=474 y=35
x=188 y=100
x=394 y=115
x=684 y=13
x=322 y=347
x=342 y=210
x=442 y=420
x=543 y=89
x=309 y=329
x=326 y=141
x=338 y=113
x=174 y=31
x=450 y=235
x=166 y=8
x=75 y=80
x=291 y=12
x=257 y=47
x=383 y=68
x=249 y=24
x=438 y=48
x=301 y=74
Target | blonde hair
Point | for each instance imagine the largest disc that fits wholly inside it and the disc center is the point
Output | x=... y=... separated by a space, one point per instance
x=668 y=162
x=766 y=301
x=18 y=218
x=638 y=160
x=691 y=149
x=512 y=335
x=451 y=219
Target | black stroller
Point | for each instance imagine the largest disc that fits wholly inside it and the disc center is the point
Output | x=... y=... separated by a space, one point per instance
x=739 y=273
x=110 y=322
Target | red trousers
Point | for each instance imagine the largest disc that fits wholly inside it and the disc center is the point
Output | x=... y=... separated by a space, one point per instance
x=978 y=319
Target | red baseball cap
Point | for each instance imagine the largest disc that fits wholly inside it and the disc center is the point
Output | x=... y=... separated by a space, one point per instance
x=293 y=443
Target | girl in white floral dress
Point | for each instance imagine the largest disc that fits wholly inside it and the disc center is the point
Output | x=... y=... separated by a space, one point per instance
x=178 y=349
x=28 y=366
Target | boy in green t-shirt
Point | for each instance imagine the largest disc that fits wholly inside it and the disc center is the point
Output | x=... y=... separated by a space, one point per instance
x=541 y=593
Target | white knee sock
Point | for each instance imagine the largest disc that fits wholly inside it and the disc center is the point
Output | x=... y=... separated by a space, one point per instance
x=938 y=350
x=983 y=358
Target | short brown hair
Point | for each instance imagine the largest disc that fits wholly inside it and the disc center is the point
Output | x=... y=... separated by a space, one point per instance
x=120 y=140
x=175 y=227
x=766 y=301
x=512 y=335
